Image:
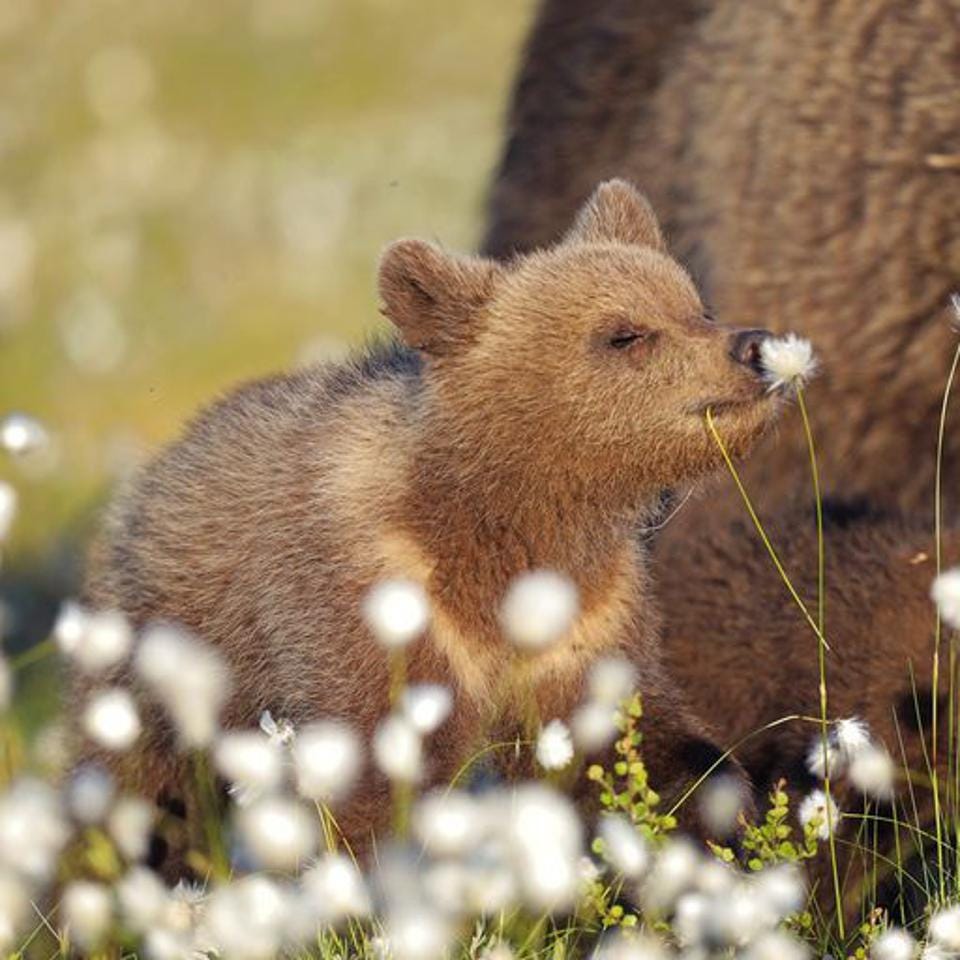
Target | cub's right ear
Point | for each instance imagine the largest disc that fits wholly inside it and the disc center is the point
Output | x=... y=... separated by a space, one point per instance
x=617 y=212
x=433 y=297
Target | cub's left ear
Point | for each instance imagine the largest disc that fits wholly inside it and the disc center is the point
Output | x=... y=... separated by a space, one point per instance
x=433 y=297
x=617 y=212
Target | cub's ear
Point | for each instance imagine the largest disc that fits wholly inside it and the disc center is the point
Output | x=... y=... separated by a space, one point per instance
x=433 y=297
x=617 y=212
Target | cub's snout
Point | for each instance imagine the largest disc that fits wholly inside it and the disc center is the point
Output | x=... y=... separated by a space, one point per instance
x=746 y=348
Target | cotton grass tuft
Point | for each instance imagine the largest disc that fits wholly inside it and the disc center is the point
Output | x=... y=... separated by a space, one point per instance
x=787 y=361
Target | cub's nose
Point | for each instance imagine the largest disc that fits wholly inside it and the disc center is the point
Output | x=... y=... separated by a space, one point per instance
x=745 y=348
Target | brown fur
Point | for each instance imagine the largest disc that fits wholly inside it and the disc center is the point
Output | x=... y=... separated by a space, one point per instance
x=746 y=657
x=805 y=156
x=514 y=436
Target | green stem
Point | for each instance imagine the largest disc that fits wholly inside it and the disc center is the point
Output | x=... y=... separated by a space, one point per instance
x=821 y=653
x=760 y=530
x=938 y=549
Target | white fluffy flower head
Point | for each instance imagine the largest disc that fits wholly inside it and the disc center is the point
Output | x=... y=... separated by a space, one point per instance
x=8 y=509
x=336 y=889
x=538 y=609
x=946 y=595
x=427 y=706
x=21 y=434
x=398 y=749
x=853 y=737
x=397 y=612
x=188 y=677
x=787 y=360
x=816 y=806
x=448 y=822
x=88 y=911
x=280 y=834
x=251 y=762
x=129 y=824
x=611 y=680
x=544 y=836
x=327 y=756
x=893 y=944
x=554 y=746
x=111 y=719
x=873 y=772
x=93 y=640
x=594 y=725
x=624 y=846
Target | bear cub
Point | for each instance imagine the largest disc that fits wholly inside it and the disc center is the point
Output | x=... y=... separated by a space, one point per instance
x=529 y=417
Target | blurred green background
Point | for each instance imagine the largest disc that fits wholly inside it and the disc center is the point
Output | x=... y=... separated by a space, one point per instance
x=192 y=193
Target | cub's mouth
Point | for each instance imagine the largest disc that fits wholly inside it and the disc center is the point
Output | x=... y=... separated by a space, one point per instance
x=719 y=407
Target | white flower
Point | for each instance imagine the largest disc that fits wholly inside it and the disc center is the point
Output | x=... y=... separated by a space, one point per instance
x=944 y=928
x=396 y=611
x=88 y=911
x=185 y=906
x=328 y=758
x=426 y=706
x=189 y=678
x=624 y=847
x=498 y=951
x=279 y=834
x=14 y=908
x=129 y=824
x=111 y=719
x=448 y=822
x=247 y=919
x=398 y=749
x=845 y=740
x=816 y=807
x=873 y=772
x=611 y=680
x=538 y=609
x=417 y=935
x=820 y=765
x=32 y=828
x=21 y=434
x=594 y=726
x=250 y=762
x=544 y=838
x=94 y=641
x=853 y=736
x=279 y=732
x=89 y=793
x=720 y=801
x=946 y=595
x=554 y=746
x=776 y=945
x=779 y=890
x=674 y=872
x=8 y=509
x=787 y=360
x=336 y=889
x=142 y=897
x=643 y=946
x=692 y=918
x=893 y=944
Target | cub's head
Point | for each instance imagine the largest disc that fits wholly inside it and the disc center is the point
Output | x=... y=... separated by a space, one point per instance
x=593 y=359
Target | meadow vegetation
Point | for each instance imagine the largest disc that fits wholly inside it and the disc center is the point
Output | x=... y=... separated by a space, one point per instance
x=192 y=194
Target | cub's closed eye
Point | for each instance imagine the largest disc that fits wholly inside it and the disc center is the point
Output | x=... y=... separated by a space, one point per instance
x=625 y=338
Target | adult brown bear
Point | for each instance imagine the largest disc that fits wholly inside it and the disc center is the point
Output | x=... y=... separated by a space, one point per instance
x=805 y=157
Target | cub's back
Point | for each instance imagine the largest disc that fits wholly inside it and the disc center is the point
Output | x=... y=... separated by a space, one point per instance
x=241 y=529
